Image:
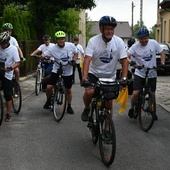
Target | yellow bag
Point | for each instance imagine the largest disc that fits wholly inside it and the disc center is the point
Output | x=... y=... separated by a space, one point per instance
x=81 y=63
x=122 y=99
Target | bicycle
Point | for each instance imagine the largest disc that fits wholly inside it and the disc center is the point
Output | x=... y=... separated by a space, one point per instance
x=145 y=107
x=1 y=106
x=59 y=98
x=100 y=122
x=39 y=74
x=16 y=95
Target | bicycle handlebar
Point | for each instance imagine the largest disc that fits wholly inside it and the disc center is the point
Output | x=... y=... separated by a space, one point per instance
x=87 y=83
x=132 y=63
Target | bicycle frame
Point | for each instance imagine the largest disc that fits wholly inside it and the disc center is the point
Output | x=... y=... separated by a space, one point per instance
x=146 y=106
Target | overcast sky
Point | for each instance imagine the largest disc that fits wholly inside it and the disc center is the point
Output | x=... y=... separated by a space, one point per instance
x=121 y=10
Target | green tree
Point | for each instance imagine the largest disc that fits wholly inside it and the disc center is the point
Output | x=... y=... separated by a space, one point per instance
x=152 y=32
x=68 y=21
x=136 y=28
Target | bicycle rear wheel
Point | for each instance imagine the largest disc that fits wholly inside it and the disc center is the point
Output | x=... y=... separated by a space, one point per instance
x=38 y=82
x=107 y=139
x=1 y=109
x=93 y=126
x=59 y=103
x=146 y=112
x=16 y=96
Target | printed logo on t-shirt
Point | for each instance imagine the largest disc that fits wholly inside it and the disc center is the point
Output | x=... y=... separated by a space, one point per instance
x=148 y=56
x=106 y=56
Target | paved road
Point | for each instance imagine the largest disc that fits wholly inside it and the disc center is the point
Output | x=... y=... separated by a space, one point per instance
x=33 y=140
x=162 y=93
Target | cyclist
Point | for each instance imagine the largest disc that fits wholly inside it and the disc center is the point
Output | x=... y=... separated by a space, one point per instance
x=62 y=52
x=144 y=53
x=80 y=56
x=102 y=54
x=130 y=42
x=9 y=28
x=9 y=57
x=48 y=64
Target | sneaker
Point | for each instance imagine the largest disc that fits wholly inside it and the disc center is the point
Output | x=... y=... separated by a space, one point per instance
x=8 y=118
x=70 y=110
x=131 y=113
x=84 y=116
x=47 y=105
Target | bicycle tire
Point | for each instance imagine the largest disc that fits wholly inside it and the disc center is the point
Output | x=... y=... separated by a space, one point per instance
x=16 y=96
x=146 y=111
x=107 y=141
x=38 y=82
x=93 y=122
x=136 y=110
x=1 y=110
x=59 y=103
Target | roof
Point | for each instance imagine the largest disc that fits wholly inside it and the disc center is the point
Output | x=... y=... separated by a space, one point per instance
x=165 y=4
x=122 y=30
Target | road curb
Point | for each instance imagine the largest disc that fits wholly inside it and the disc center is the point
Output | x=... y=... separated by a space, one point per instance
x=164 y=106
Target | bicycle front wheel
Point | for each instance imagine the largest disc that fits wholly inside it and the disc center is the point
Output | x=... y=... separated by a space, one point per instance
x=93 y=123
x=147 y=111
x=1 y=109
x=107 y=139
x=38 y=82
x=59 y=103
x=16 y=96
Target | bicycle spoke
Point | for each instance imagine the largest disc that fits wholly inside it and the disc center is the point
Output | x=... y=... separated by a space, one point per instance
x=38 y=82
x=146 y=116
x=107 y=140
x=59 y=104
x=1 y=110
x=16 y=97
x=93 y=126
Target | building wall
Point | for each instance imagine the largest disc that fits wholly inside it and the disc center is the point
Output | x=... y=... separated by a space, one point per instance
x=163 y=25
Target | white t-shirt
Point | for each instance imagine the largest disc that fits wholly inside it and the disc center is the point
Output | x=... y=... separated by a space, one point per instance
x=62 y=55
x=80 y=52
x=9 y=56
x=145 y=55
x=105 y=56
x=13 y=41
x=44 y=48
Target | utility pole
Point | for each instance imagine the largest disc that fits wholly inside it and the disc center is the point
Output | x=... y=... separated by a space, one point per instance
x=141 y=14
x=132 y=18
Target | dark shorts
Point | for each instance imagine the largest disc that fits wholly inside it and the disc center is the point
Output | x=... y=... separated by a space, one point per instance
x=139 y=82
x=92 y=78
x=7 y=88
x=67 y=80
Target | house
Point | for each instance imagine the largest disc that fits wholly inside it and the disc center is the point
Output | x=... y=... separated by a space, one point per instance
x=163 y=22
x=122 y=30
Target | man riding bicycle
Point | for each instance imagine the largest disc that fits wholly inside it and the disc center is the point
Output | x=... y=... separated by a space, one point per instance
x=62 y=52
x=10 y=59
x=144 y=54
x=47 y=65
x=102 y=54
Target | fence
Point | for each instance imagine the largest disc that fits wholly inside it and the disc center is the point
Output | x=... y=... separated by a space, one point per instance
x=30 y=64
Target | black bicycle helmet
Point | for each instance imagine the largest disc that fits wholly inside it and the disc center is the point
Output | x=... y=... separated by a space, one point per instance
x=107 y=20
x=142 y=32
x=46 y=37
x=4 y=37
x=130 y=42
x=7 y=26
